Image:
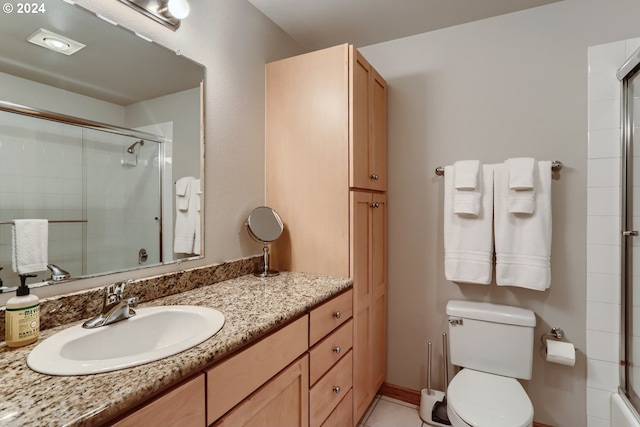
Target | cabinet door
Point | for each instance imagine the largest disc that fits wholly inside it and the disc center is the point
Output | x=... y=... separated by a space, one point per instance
x=283 y=401
x=369 y=272
x=378 y=263
x=360 y=234
x=231 y=381
x=368 y=127
x=183 y=406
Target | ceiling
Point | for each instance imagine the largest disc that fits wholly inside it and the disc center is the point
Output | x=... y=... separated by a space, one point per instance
x=317 y=24
x=115 y=66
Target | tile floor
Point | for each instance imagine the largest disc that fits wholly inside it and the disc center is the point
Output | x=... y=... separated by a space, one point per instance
x=388 y=412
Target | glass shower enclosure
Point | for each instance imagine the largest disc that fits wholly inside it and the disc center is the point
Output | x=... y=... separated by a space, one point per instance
x=100 y=190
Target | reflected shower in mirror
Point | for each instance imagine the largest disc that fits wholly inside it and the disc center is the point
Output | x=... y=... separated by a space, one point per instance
x=265 y=226
x=96 y=142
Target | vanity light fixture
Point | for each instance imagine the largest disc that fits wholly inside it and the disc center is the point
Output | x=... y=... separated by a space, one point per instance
x=167 y=12
x=54 y=42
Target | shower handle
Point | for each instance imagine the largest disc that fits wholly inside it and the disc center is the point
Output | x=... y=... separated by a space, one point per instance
x=630 y=233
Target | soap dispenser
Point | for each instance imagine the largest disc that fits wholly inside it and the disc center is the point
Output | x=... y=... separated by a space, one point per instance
x=22 y=324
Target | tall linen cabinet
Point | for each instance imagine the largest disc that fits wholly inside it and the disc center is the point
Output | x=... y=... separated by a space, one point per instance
x=326 y=175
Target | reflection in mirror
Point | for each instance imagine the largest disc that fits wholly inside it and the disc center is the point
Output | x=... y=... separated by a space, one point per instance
x=265 y=226
x=96 y=142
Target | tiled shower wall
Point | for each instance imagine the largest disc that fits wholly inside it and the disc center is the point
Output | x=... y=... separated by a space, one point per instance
x=603 y=223
x=41 y=177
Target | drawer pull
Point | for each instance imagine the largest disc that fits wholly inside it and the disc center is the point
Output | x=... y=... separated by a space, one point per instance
x=337 y=349
x=336 y=389
x=337 y=314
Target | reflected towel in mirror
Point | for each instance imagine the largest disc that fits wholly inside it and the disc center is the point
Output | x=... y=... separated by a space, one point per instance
x=30 y=245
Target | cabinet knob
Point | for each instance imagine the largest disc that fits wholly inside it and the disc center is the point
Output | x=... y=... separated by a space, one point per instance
x=375 y=205
x=375 y=177
x=337 y=314
x=337 y=349
x=336 y=389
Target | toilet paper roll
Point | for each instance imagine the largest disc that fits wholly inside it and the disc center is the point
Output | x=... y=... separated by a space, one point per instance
x=561 y=352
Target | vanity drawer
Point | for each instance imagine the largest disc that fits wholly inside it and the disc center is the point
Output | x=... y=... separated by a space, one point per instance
x=329 y=316
x=229 y=382
x=325 y=395
x=328 y=351
x=343 y=414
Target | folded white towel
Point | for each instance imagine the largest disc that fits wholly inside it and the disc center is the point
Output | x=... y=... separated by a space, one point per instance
x=183 y=192
x=521 y=173
x=521 y=202
x=523 y=242
x=187 y=228
x=466 y=174
x=30 y=245
x=467 y=196
x=521 y=197
x=182 y=185
x=468 y=242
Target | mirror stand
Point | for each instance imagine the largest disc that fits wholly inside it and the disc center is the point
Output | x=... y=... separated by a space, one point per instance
x=265 y=226
x=266 y=271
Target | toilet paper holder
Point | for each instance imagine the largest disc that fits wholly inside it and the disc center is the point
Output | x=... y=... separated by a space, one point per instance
x=556 y=333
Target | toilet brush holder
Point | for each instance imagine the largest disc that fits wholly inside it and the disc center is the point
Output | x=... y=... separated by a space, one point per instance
x=427 y=403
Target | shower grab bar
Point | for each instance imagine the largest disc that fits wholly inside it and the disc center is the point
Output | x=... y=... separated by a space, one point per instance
x=556 y=165
x=54 y=221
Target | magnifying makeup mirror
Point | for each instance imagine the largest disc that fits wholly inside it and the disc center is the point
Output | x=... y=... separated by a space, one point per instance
x=265 y=226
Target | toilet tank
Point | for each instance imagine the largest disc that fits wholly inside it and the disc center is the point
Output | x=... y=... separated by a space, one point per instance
x=491 y=338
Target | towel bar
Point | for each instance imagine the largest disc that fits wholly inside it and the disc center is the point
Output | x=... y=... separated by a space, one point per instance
x=54 y=221
x=556 y=165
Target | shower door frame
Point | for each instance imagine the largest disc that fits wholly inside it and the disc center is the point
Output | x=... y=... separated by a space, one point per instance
x=626 y=74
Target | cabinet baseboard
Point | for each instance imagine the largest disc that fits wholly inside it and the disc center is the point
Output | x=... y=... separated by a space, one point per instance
x=400 y=393
x=413 y=396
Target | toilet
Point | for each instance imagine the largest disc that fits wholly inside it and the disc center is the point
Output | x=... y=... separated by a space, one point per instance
x=494 y=346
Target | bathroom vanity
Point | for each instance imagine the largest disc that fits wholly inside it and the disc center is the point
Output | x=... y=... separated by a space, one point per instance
x=283 y=355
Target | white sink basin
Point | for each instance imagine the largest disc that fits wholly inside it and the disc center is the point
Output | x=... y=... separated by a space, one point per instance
x=152 y=334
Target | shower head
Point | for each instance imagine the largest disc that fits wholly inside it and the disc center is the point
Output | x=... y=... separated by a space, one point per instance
x=130 y=150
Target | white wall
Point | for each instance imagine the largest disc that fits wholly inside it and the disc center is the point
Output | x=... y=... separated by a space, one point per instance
x=183 y=110
x=514 y=85
x=36 y=95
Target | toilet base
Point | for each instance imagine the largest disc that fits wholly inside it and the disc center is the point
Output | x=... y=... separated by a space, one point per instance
x=427 y=402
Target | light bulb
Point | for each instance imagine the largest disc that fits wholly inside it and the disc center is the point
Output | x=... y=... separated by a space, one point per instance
x=179 y=9
x=56 y=44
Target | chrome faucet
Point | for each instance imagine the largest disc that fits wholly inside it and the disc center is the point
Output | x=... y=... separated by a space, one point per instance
x=57 y=273
x=115 y=308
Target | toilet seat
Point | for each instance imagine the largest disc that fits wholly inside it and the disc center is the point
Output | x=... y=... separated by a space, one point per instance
x=487 y=400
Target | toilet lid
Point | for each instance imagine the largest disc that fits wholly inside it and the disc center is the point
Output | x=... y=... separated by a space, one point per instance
x=488 y=400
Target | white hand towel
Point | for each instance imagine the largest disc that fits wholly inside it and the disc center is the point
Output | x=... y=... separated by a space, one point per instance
x=523 y=242
x=466 y=174
x=521 y=173
x=467 y=196
x=187 y=229
x=183 y=193
x=468 y=242
x=521 y=197
x=30 y=245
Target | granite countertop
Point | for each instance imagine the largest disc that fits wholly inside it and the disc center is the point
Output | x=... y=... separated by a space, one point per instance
x=252 y=306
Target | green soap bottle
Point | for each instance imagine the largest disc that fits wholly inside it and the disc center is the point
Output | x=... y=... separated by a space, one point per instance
x=22 y=323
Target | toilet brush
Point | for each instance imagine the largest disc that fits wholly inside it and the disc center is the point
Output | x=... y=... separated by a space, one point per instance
x=429 y=398
x=439 y=413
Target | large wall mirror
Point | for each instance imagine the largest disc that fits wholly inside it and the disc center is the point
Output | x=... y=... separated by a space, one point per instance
x=105 y=143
